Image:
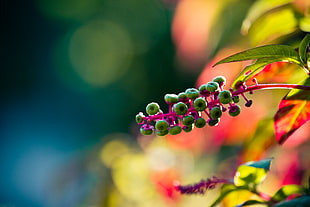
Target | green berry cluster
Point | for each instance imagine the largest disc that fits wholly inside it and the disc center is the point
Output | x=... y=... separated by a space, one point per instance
x=186 y=109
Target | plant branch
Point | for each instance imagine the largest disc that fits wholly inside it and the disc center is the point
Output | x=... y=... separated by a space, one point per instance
x=270 y=86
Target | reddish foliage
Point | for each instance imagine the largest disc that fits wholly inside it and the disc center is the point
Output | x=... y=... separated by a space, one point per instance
x=275 y=72
x=291 y=115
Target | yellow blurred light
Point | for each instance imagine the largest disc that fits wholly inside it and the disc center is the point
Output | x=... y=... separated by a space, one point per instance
x=100 y=52
x=304 y=24
x=131 y=177
x=113 y=150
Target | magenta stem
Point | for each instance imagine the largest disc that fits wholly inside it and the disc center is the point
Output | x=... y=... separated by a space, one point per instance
x=239 y=92
x=270 y=86
x=264 y=87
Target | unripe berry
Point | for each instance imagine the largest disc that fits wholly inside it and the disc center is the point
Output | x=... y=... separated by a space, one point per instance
x=175 y=130
x=200 y=104
x=216 y=112
x=203 y=90
x=139 y=118
x=180 y=108
x=200 y=122
x=152 y=108
x=162 y=133
x=146 y=130
x=221 y=80
x=225 y=97
x=236 y=99
x=188 y=120
x=212 y=86
x=171 y=98
x=213 y=122
x=188 y=128
x=248 y=103
x=182 y=97
x=192 y=93
x=161 y=125
x=234 y=110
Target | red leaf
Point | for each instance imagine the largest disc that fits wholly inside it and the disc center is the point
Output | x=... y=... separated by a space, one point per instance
x=293 y=112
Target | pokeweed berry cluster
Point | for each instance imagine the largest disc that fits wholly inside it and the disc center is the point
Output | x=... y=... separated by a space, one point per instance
x=186 y=108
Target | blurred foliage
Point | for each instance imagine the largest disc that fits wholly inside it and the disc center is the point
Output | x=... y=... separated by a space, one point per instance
x=76 y=72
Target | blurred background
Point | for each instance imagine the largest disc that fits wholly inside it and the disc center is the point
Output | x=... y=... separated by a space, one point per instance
x=74 y=74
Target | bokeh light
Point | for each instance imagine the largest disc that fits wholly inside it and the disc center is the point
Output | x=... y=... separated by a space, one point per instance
x=100 y=52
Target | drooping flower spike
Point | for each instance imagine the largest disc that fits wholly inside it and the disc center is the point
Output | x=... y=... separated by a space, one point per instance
x=200 y=187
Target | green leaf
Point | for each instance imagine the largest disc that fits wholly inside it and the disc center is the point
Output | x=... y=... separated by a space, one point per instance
x=283 y=53
x=286 y=191
x=293 y=112
x=258 y=9
x=251 y=70
x=252 y=173
x=263 y=164
x=273 y=24
x=303 y=48
x=225 y=190
x=298 y=202
x=250 y=202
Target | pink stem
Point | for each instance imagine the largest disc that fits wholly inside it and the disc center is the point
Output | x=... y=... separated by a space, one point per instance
x=241 y=91
x=270 y=86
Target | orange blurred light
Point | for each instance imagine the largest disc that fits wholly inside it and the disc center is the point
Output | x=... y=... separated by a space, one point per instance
x=191 y=26
x=164 y=183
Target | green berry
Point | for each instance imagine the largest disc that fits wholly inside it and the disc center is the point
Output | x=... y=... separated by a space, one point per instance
x=175 y=130
x=162 y=133
x=234 y=110
x=200 y=122
x=213 y=122
x=171 y=98
x=180 y=108
x=225 y=97
x=188 y=120
x=203 y=89
x=182 y=96
x=212 y=86
x=200 y=104
x=216 y=112
x=139 y=118
x=161 y=125
x=146 y=130
x=152 y=108
x=221 y=80
x=236 y=99
x=188 y=128
x=192 y=93
x=248 y=103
